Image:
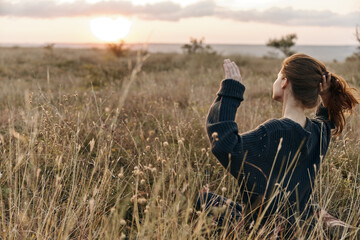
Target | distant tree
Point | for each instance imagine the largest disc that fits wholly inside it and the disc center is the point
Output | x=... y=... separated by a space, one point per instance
x=357 y=34
x=118 y=49
x=49 y=46
x=49 y=49
x=355 y=55
x=283 y=44
x=197 y=46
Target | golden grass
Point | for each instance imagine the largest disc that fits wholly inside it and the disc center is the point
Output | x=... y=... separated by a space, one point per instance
x=81 y=158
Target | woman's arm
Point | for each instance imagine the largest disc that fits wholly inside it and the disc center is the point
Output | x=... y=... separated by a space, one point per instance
x=226 y=144
x=322 y=112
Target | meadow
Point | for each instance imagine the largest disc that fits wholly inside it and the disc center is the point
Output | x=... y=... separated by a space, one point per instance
x=98 y=147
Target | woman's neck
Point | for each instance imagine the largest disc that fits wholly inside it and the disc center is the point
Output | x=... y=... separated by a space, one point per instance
x=294 y=111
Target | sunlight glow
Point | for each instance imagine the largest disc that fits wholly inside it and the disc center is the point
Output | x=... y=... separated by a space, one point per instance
x=110 y=30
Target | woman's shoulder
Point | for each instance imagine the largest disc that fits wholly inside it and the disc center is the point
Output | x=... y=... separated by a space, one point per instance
x=274 y=124
x=286 y=126
x=321 y=122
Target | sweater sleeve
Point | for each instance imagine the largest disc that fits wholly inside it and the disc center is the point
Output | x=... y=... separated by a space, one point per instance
x=229 y=147
x=322 y=114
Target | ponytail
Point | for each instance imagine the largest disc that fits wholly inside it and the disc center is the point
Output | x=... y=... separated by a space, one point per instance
x=305 y=74
x=342 y=99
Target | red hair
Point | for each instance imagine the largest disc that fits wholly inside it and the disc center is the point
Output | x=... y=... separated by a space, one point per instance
x=305 y=73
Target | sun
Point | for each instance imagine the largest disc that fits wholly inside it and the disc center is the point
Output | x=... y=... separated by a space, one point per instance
x=109 y=29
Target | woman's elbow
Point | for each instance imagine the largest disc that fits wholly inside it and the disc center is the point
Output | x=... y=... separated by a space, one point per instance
x=222 y=154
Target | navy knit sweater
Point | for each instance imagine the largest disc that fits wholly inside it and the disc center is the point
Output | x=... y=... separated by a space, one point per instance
x=277 y=162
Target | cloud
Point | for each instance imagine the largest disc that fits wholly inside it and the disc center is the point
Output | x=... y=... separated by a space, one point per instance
x=290 y=16
x=170 y=11
x=161 y=11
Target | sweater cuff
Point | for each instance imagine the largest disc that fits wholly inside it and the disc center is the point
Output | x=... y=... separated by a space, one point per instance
x=231 y=88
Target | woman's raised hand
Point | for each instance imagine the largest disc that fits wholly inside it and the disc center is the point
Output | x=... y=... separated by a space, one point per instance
x=231 y=70
x=324 y=88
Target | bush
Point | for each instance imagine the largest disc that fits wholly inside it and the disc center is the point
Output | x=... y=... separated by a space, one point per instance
x=283 y=44
x=118 y=49
x=355 y=56
x=197 y=46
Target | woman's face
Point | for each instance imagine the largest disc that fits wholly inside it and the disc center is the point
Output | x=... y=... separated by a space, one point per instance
x=278 y=91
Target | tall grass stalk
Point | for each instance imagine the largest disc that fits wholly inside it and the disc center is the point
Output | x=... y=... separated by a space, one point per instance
x=91 y=148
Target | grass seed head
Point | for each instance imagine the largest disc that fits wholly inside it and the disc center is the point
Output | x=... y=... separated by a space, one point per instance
x=122 y=222
x=138 y=173
x=214 y=135
x=142 y=201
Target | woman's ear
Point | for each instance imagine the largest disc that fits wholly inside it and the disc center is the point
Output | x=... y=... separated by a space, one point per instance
x=284 y=83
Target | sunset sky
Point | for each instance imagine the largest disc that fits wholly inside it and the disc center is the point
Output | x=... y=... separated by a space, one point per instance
x=323 y=22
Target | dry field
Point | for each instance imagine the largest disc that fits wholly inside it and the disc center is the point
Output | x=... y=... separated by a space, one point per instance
x=92 y=147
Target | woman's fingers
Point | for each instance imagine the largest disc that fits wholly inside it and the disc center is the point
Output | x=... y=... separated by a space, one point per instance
x=227 y=71
x=237 y=71
x=320 y=87
x=324 y=85
x=231 y=70
x=327 y=81
x=227 y=60
x=226 y=68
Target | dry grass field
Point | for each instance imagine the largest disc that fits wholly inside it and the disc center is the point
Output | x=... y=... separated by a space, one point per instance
x=93 y=147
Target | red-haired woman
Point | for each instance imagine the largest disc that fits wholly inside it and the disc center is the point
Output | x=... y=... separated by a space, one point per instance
x=276 y=163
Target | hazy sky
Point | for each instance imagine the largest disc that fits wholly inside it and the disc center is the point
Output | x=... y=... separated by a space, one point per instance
x=330 y=22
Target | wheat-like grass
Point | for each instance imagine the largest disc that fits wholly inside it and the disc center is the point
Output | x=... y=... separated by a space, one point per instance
x=96 y=147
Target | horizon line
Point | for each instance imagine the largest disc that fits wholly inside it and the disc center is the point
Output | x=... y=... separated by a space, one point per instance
x=159 y=43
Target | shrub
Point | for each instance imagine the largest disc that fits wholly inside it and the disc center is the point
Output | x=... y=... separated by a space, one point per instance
x=356 y=55
x=118 y=49
x=283 y=44
x=197 y=46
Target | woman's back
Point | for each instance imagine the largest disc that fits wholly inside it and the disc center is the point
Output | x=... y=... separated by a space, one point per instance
x=276 y=158
x=276 y=163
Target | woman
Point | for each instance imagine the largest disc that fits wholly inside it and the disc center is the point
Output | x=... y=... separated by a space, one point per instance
x=276 y=163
